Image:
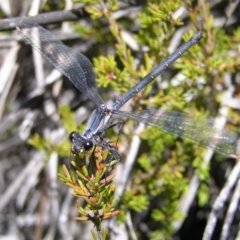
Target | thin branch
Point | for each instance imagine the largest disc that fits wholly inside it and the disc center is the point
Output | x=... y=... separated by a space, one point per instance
x=128 y=165
x=232 y=210
x=43 y=18
x=34 y=166
x=220 y=202
x=7 y=72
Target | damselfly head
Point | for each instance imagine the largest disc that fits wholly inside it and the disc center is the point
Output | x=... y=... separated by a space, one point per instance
x=79 y=143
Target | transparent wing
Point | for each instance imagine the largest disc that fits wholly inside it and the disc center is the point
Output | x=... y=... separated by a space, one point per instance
x=77 y=69
x=200 y=131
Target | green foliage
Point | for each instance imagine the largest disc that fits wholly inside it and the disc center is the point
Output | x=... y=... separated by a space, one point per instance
x=91 y=179
x=135 y=202
x=158 y=25
x=110 y=74
x=203 y=194
x=156 y=13
x=166 y=215
x=40 y=143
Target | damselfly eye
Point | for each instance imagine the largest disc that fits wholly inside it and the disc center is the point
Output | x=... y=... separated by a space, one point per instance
x=88 y=145
x=73 y=135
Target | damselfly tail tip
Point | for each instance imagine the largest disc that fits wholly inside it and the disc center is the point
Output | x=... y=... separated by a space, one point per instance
x=198 y=35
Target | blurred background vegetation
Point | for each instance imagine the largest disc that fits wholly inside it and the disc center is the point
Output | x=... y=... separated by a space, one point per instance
x=172 y=183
